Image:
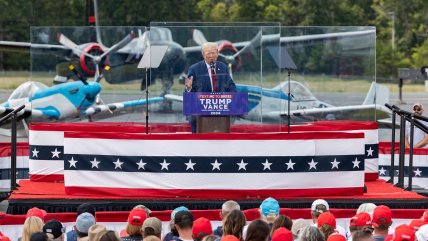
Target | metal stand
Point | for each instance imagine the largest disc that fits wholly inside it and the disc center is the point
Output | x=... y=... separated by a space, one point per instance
x=13 y=116
x=151 y=61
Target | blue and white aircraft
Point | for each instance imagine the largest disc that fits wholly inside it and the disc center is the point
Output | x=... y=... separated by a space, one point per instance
x=67 y=100
x=269 y=105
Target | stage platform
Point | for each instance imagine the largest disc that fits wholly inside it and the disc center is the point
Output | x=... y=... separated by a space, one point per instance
x=52 y=197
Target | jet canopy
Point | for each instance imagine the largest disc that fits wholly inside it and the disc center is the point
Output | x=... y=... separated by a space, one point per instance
x=298 y=91
x=27 y=90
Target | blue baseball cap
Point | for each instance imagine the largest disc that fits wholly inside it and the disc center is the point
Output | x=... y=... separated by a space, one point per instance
x=178 y=209
x=84 y=221
x=269 y=205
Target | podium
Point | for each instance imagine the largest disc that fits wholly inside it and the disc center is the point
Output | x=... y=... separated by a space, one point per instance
x=212 y=111
x=207 y=124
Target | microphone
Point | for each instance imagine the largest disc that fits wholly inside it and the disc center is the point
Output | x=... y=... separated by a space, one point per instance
x=212 y=65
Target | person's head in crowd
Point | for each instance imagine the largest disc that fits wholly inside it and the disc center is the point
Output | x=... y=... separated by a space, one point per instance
x=417 y=223
x=367 y=208
x=318 y=206
x=382 y=220
x=310 y=233
x=36 y=212
x=229 y=237
x=152 y=226
x=336 y=237
x=171 y=222
x=422 y=233
x=38 y=236
x=86 y=208
x=135 y=221
x=298 y=224
x=141 y=206
x=108 y=235
x=152 y=238
x=83 y=222
x=283 y=221
x=183 y=221
x=282 y=234
x=418 y=108
x=269 y=209
x=362 y=235
x=403 y=233
x=227 y=207
x=360 y=221
x=93 y=231
x=211 y=237
x=258 y=230
x=234 y=224
x=31 y=225
x=326 y=223
x=201 y=228
x=425 y=216
x=54 y=229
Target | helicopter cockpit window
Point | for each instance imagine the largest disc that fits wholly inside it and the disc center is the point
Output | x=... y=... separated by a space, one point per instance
x=27 y=90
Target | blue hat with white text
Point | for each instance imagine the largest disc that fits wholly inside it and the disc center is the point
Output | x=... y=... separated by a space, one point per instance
x=269 y=205
x=178 y=209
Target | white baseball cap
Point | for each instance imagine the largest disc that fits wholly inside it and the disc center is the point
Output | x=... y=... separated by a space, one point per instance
x=319 y=202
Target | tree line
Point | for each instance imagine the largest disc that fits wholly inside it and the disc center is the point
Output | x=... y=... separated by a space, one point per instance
x=401 y=25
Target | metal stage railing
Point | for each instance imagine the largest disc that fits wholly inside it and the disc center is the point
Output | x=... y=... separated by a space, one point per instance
x=415 y=120
x=13 y=117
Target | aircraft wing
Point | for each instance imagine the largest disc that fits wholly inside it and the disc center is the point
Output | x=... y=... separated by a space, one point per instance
x=338 y=109
x=25 y=47
x=120 y=105
x=275 y=38
x=178 y=98
x=274 y=115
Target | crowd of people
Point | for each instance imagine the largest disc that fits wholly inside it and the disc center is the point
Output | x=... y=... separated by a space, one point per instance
x=370 y=223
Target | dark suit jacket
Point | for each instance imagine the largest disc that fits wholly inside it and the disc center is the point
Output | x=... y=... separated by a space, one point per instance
x=201 y=78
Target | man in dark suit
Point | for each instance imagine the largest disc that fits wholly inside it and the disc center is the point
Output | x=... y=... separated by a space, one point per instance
x=208 y=75
x=200 y=75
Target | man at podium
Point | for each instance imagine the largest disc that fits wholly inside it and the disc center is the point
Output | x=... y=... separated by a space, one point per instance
x=208 y=75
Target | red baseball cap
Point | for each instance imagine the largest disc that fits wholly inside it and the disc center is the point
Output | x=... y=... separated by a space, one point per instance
x=282 y=234
x=137 y=216
x=404 y=232
x=416 y=224
x=360 y=220
x=425 y=216
x=326 y=218
x=4 y=237
x=336 y=237
x=381 y=215
x=201 y=228
x=36 y=212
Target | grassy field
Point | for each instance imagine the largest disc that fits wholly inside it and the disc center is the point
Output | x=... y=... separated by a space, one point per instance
x=11 y=80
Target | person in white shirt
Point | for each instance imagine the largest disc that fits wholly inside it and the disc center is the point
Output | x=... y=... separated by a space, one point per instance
x=420 y=138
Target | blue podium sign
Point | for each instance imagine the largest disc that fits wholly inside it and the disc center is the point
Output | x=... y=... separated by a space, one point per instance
x=215 y=103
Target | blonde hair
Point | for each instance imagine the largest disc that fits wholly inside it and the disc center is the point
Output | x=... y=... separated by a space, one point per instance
x=270 y=218
x=151 y=238
x=31 y=225
x=133 y=230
